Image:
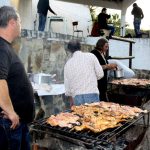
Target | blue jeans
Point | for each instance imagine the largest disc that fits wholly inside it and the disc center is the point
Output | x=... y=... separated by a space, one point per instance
x=17 y=139
x=109 y=27
x=86 y=98
x=137 y=23
x=42 y=22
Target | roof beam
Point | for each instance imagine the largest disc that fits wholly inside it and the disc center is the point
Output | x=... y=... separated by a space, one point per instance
x=113 y=4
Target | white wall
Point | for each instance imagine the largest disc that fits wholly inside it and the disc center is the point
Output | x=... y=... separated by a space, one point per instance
x=4 y=2
x=141 y=51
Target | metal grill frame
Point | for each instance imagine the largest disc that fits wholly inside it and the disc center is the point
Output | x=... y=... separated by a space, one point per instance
x=89 y=139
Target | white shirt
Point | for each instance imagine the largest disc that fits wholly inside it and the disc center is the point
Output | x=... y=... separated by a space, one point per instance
x=81 y=73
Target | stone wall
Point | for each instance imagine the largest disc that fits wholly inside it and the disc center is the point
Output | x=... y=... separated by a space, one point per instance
x=44 y=52
x=142 y=74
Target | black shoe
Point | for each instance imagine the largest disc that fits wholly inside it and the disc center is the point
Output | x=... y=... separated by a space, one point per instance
x=110 y=36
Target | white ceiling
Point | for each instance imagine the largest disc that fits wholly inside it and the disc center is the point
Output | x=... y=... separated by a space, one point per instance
x=113 y=4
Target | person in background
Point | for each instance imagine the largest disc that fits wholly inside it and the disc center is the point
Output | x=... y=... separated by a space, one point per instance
x=138 y=16
x=102 y=21
x=100 y=51
x=16 y=94
x=43 y=7
x=81 y=73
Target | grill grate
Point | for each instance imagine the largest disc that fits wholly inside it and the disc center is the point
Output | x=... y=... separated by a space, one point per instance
x=87 y=138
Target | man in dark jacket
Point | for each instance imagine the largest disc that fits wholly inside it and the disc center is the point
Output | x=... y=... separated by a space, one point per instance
x=43 y=7
x=102 y=21
x=138 y=16
x=16 y=94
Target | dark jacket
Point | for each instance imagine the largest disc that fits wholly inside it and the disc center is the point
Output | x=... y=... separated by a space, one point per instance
x=43 y=7
x=102 y=83
x=102 y=20
x=137 y=12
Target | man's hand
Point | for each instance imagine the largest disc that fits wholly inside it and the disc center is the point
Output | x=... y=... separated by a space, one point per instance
x=13 y=117
x=111 y=66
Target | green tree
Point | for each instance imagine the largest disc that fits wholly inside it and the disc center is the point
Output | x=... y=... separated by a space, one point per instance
x=93 y=13
x=116 y=21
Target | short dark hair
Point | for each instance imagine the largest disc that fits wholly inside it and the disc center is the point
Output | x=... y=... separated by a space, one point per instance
x=100 y=43
x=104 y=9
x=135 y=5
x=7 y=13
x=74 y=45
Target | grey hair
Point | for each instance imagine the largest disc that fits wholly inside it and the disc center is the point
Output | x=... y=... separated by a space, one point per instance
x=7 y=13
x=74 y=45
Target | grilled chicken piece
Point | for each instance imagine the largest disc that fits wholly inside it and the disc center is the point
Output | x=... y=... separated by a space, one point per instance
x=95 y=117
x=63 y=120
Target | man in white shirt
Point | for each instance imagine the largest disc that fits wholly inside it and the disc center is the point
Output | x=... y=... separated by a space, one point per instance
x=81 y=73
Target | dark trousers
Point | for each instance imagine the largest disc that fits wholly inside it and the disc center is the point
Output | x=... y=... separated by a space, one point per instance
x=103 y=96
x=17 y=139
x=112 y=30
x=137 y=23
x=42 y=22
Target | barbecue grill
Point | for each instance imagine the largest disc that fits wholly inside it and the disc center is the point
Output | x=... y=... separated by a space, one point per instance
x=129 y=94
x=106 y=140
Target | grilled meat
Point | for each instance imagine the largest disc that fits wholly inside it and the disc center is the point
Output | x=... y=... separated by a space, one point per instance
x=63 y=120
x=95 y=117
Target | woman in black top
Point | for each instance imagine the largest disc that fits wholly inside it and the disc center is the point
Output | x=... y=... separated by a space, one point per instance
x=100 y=52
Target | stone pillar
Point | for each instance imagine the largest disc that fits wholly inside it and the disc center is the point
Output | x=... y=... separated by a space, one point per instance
x=25 y=11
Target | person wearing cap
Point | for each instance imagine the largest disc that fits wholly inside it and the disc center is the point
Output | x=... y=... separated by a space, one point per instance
x=102 y=21
x=138 y=16
x=81 y=73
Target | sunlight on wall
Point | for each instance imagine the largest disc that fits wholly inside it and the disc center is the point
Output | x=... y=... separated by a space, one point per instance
x=15 y=3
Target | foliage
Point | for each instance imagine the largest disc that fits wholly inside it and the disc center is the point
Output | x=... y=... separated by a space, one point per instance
x=130 y=31
x=92 y=12
x=115 y=20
